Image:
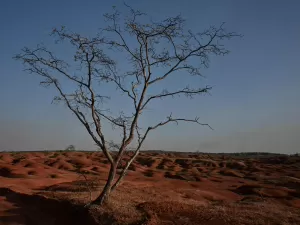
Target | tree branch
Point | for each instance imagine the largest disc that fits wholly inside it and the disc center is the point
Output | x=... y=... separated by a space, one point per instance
x=187 y=91
x=143 y=138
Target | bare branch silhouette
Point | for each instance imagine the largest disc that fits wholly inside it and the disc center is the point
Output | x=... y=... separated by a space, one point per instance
x=144 y=46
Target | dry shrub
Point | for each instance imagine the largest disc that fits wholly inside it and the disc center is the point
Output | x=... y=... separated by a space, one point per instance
x=205 y=162
x=235 y=164
x=145 y=161
x=219 y=214
x=184 y=163
x=164 y=164
x=17 y=159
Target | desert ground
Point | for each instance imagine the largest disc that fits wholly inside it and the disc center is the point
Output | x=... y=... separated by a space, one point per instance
x=160 y=188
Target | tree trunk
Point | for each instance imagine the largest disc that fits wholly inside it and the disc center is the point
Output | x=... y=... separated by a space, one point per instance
x=103 y=197
x=124 y=171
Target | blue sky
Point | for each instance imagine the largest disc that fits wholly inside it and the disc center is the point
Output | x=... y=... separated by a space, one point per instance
x=254 y=104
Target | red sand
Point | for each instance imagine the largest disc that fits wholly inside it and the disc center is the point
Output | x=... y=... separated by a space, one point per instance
x=47 y=188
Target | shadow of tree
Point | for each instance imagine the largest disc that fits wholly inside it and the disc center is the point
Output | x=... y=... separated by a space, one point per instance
x=37 y=210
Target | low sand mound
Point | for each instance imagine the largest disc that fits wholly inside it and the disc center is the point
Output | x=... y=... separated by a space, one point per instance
x=80 y=162
x=17 y=158
x=235 y=165
x=184 y=163
x=202 y=169
x=148 y=173
x=32 y=172
x=216 y=179
x=214 y=171
x=165 y=164
x=27 y=163
x=172 y=175
x=97 y=159
x=63 y=165
x=205 y=162
x=96 y=155
x=6 y=157
x=276 y=160
x=233 y=173
x=247 y=189
x=190 y=177
x=274 y=192
x=75 y=186
x=145 y=161
x=36 y=209
x=254 y=168
x=290 y=182
x=86 y=170
x=202 y=195
x=55 y=156
x=194 y=171
x=38 y=154
x=12 y=172
x=180 y=176
x=264 y=191
x=29 y=168
x=218 y=191
x=32 y=155
x=6 y=172
x=50 y=162
x=97 y=169
x=78 y=154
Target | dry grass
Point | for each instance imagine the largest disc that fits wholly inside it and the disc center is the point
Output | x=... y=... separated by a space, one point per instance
x=131 y=205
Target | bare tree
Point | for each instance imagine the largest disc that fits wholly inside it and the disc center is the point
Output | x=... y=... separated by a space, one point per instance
x=70 y=148
x=166 y=45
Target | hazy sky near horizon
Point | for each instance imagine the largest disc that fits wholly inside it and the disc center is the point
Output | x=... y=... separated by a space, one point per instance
x=254 y=104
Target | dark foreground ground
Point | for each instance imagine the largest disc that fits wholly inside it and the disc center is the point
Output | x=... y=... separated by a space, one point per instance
x=160 y=188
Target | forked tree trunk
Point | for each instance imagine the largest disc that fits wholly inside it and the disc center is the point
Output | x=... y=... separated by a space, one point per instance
x=103 y=197
x=124 y=171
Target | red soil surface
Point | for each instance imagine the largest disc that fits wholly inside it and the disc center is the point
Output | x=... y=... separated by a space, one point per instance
x=160 y=188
